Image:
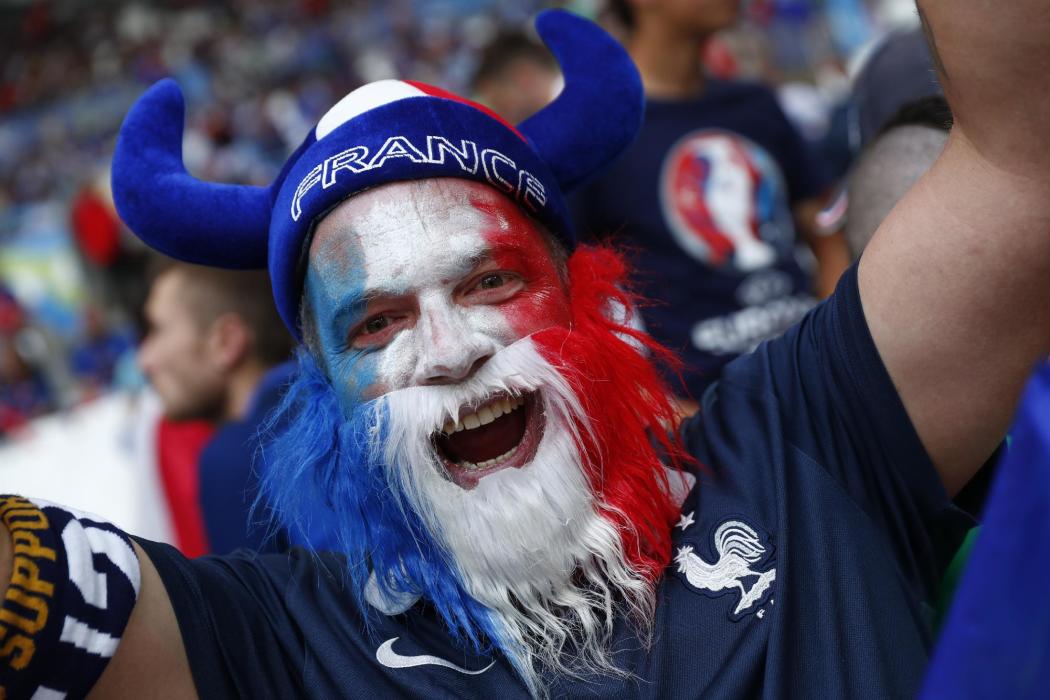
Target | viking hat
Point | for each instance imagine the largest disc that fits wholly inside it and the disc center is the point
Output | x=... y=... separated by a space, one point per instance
x=386 y=131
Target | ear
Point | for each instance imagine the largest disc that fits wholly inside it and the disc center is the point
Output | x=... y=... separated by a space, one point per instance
x=229 y=341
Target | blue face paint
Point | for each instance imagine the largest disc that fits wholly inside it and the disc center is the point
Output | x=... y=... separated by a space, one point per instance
x=335 y=291
x=395 y=286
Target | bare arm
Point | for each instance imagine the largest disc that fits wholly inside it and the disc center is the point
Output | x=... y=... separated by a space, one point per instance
x=956 y=282
x=151 y=660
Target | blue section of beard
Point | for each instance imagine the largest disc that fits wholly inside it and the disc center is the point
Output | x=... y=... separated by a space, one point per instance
x=326 y=485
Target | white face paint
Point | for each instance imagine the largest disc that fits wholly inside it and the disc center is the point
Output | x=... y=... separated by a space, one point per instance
x=428 y=297
x=419 y=283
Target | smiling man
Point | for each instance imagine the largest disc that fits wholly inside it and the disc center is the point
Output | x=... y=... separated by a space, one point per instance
x=515 y=513
x=440 y=316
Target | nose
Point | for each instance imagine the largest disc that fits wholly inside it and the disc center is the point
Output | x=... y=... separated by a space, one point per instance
x=452 y=350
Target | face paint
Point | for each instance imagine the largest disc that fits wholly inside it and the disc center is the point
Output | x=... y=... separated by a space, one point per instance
x=414 y=283
x=544 y=295
x=535 y=560
x=420 y=284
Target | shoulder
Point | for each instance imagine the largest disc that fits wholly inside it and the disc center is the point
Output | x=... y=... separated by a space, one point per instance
x=246 y=620
x=272 y=388
x=245 y=582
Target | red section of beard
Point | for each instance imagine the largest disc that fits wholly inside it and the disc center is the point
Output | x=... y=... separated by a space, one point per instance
x=632 y=418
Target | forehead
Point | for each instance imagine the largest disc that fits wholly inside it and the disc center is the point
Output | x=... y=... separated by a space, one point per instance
x=165 y=296
x=439 y=225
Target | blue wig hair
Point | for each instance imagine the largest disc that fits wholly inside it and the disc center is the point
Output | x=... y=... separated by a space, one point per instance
x=326 y=486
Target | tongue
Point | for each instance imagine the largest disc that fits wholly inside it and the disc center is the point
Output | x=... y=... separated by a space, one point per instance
x=488 y=441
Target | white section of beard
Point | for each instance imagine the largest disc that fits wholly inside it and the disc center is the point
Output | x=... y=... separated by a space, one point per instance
x=529 y=542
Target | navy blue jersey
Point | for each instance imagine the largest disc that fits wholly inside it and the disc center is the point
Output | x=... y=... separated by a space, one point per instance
x=804 y=562
x=229 y=469
x=703 y=198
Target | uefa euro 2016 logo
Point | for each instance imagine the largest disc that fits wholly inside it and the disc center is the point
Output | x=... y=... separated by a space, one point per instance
x=725 y=202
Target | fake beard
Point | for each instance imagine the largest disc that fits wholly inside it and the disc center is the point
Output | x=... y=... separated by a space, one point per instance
x=539 y=560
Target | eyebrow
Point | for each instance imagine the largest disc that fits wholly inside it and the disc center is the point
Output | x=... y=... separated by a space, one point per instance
x=348 y=308
x=353 y=304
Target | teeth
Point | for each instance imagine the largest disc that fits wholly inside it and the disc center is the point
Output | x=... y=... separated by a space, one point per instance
x=484 y=416
x=488 y=462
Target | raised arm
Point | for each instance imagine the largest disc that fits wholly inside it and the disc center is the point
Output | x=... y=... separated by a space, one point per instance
x=50 y=588
x=956 y=282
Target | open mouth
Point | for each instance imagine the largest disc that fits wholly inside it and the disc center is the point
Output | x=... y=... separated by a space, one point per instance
x=500 y=433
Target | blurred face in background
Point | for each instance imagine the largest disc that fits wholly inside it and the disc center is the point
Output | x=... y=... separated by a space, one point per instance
x=522 y=89
x=178 y=354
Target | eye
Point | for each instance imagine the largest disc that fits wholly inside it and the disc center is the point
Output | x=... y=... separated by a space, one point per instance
x=493 y=287
x=378 y=330
x=374 y=325
x=492 y=281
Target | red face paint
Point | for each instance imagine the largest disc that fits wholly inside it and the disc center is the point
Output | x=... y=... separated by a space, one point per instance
x=623 y=395
x=516 y=245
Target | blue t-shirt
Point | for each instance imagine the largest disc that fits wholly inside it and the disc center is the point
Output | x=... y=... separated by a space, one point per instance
x=229 y=469
x=805 y=561
x=703 y=199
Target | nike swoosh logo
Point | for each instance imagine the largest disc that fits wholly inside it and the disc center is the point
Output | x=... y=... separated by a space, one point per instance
x=391 y=659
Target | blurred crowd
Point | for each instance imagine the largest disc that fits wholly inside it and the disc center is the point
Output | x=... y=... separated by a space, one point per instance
x=257 y=75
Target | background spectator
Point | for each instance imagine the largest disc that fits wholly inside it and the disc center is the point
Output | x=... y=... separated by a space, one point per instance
x=888 y=167
x=516 y=76
x=711 y=195
x=217 y=351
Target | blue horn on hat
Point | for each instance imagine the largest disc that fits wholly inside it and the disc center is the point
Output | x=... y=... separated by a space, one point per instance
x=169 y=209
x=598 y=112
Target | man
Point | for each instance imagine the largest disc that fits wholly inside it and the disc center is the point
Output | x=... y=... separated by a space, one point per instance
x=216 y=351
x=712 y=198
x=898 y=71
x=471 y=417
x=515 y=76
x=906 y=147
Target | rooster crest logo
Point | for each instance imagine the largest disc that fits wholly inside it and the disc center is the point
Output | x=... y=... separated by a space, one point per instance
x=739 y=548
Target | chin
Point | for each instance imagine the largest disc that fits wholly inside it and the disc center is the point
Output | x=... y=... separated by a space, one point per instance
x=494 y=468
x=210 y=412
